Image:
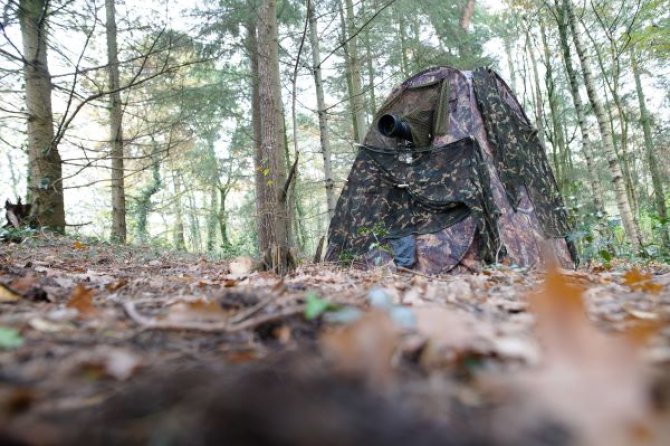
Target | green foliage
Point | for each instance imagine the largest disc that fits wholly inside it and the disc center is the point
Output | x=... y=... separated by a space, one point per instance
x=10 y=338
x=316 y=306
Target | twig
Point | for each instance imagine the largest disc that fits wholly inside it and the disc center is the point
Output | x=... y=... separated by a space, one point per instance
x=242 y=315
x=213 y=327
x=411 y=271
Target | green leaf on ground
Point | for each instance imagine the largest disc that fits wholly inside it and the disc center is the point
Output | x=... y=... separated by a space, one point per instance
x=10 y=338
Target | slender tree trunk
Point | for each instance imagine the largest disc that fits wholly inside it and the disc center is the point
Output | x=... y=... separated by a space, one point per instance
x=223 y=217
x=263 y=224
x=630 y=224
x=144 y=200
x=196 y=236
x=558 y=140
x=321 y=110
x=116 y=129
x=656 y=181
x=539 y=116
x=612 y=86
x=369 y=67
x=510 y=63
x=212 y=218
x=466 y=14
x=46 y=178
x=464 y=23
x=402 y=34
x=178 y=236
x=273 y=139
x=354 y=67
x=596 y=188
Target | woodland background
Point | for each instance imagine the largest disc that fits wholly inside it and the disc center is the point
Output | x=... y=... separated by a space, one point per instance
x=228 y=126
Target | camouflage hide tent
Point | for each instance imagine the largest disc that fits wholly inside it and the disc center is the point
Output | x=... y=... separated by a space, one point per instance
x=470 y=184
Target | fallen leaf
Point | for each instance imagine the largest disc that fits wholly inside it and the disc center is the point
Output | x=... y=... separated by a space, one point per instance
x=81 y=300
x=196 y=311
x=78 y=245
x=10 y=338
x=120 y=283
x=590 y=381
x=121 y=364
x=229 y=283
x=241 y=266
x=364 y=348
x=8 y=295
x=638 y=281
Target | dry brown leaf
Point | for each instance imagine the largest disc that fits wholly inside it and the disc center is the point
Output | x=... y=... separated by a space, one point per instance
x=78 y=245
x=115 y=286
x=25 y=284
x=81 y=300
x=638 y=281
x=592 y=381
x=8 y=295
x=241 y=266
x=196 y=311
x=364 y=348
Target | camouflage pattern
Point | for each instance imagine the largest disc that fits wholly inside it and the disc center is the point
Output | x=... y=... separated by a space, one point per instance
x=396 y=193
x=520 y=158
x=446 y=188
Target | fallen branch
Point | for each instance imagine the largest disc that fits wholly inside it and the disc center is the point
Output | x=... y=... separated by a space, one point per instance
x=211 y=327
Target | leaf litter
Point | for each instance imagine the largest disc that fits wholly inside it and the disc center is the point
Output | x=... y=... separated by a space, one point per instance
x=209 y=352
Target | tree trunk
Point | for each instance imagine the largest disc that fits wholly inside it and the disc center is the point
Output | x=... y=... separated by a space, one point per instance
x=321 y=110
x=402 y=34
x=262 y=222
x=656 y=181
x=596 y=189
x=144 y=200
x=369 y=67
x=464 y=24
x=178 y=236
x=45 y=165
x=354 y=68
x=273 y=143
x=613 y=87
x=630 y=225
x=116 y=129
x=510 y=63
x=558 y=141
x=539 y=116
x=212 y=217
x=223 y=220
x=466 y=15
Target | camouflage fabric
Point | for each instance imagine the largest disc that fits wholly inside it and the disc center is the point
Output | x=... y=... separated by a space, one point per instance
x=453 y=188
x=397 y=193
x=519 y=156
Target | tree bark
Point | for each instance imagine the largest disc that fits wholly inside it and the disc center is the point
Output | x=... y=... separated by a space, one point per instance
x=144 y=200
x=262 y=222
x=45 y=165
x=212 y=218
x=369 y=67
x=321 y=111
x=223 y=220
x=272 y=140
x=466 y=15
x=354 y=68
x=630 y=225
x=656 y=181
x=558 y=141
x=537 y=100
x=596 y=189
x=178 y=236
x=116 y=129
x=464 y=23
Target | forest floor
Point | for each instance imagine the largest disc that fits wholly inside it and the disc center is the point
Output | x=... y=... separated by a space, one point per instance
x=104 y=344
